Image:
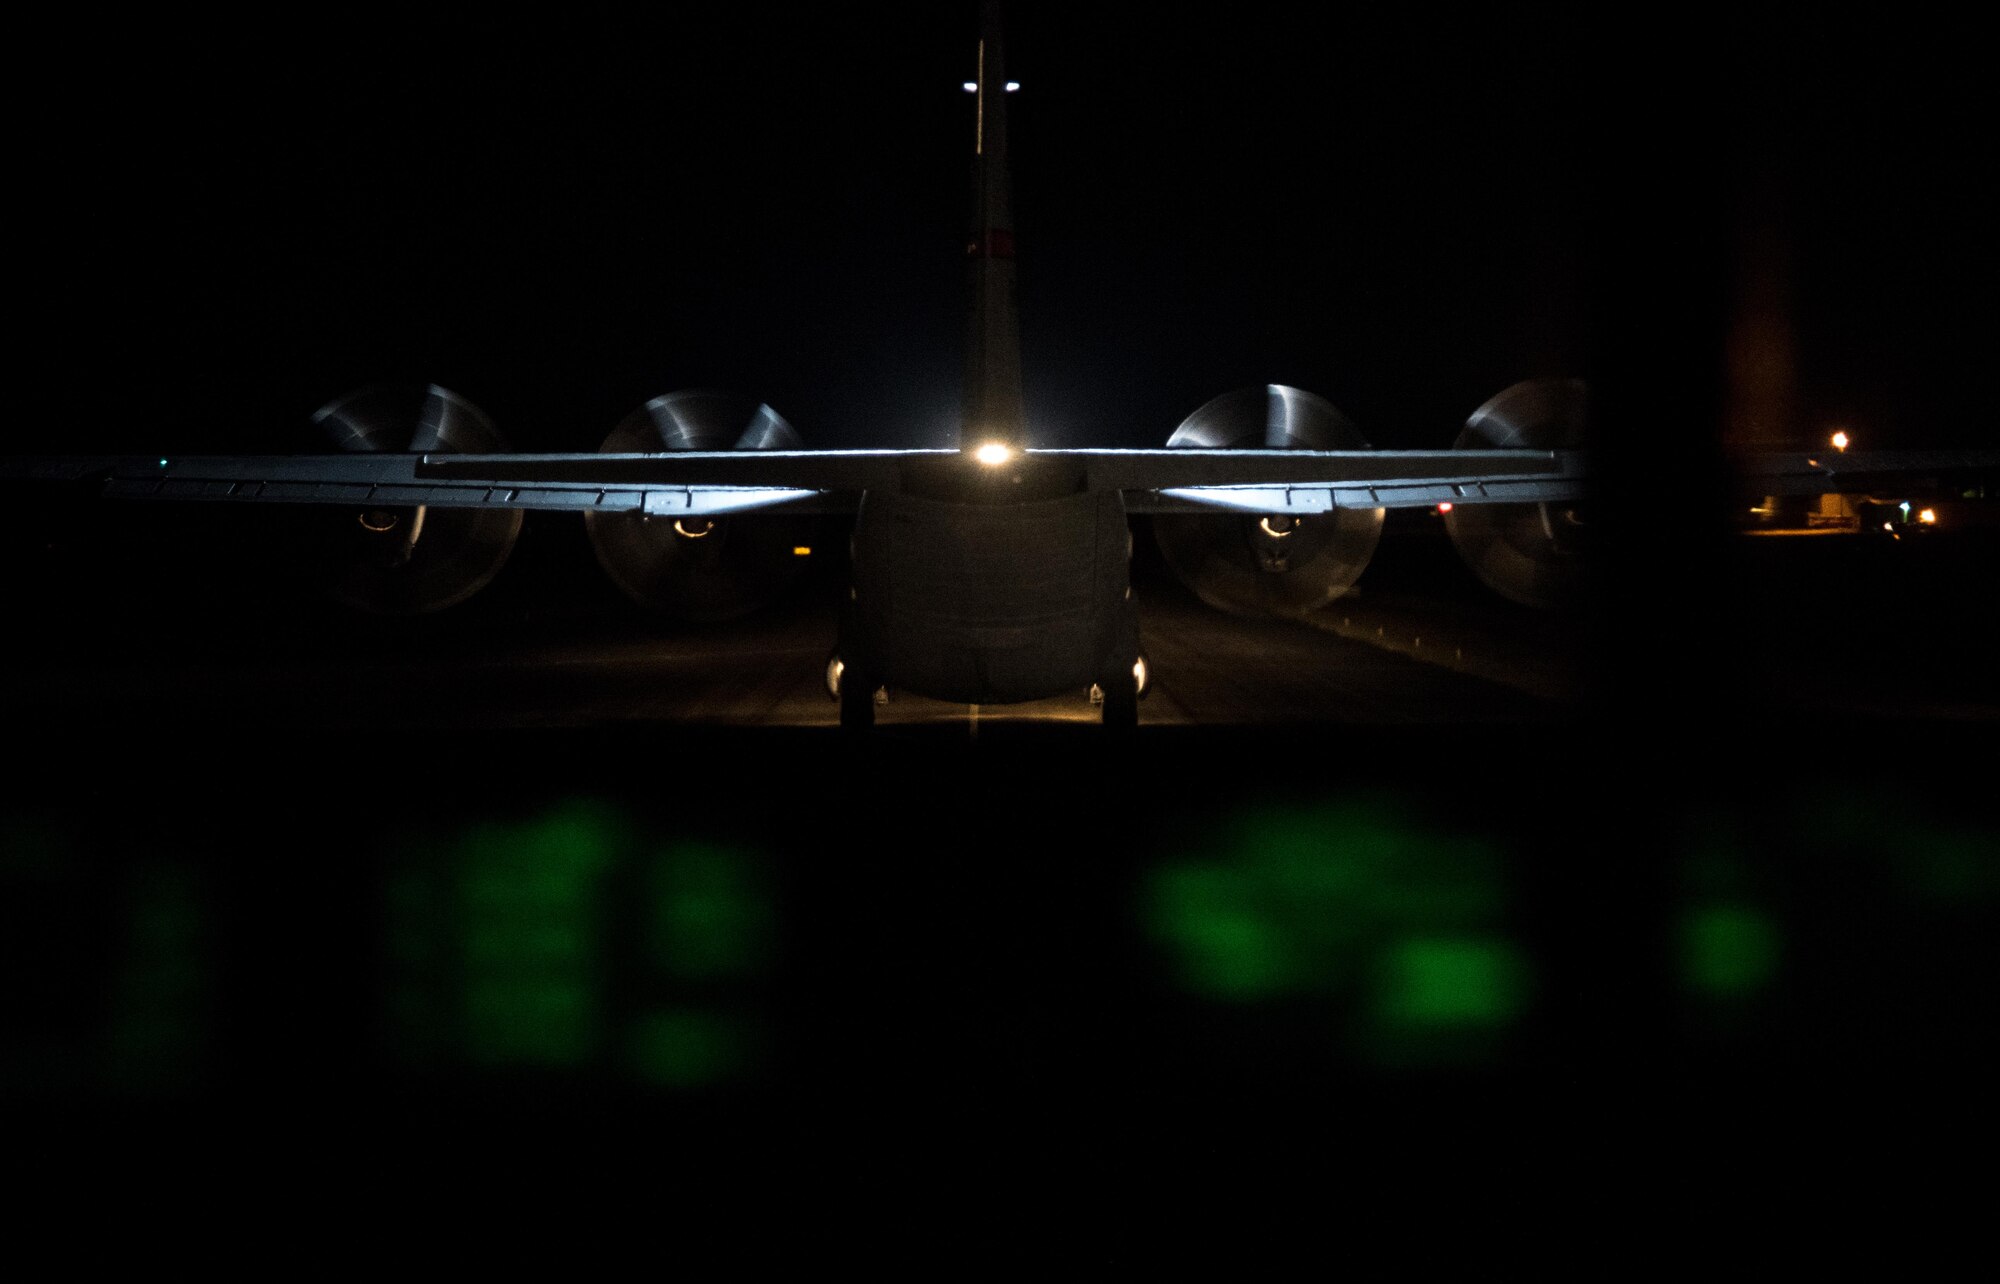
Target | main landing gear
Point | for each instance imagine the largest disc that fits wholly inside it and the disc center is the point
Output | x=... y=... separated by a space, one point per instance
x=1121 y=709
x=856 y=695
x=1118 y=699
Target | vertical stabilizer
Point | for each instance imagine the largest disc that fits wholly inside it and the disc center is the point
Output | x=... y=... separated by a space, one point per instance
x=993 y=338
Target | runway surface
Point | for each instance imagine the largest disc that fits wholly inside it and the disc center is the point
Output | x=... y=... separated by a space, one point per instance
x=769 y=672
x=156 y=618
x=516 y=660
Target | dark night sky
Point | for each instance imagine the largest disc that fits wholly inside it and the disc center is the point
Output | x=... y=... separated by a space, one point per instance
x=1404 y=210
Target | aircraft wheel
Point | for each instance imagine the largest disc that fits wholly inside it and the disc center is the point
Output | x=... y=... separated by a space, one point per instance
x=857 y=702
x=1121 y=707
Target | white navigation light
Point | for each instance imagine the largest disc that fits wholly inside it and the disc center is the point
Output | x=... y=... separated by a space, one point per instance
x=1139 y=675
x=993 y=454
x=1013 y=85
x=971 y=86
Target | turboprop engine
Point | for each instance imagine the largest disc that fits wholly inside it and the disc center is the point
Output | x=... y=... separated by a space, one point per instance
x=409 y=561
x=1534 y=554
x=1272 y=564
x=700 y=569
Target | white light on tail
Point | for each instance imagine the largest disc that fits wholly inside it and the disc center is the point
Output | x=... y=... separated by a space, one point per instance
x=993 y=454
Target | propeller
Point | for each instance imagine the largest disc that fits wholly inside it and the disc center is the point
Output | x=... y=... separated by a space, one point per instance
x=410 y=561
x=703 y=570
x=1534 y=554
x=1269 y=565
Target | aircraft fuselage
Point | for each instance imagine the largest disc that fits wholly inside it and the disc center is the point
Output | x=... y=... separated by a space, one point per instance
x=991 y=584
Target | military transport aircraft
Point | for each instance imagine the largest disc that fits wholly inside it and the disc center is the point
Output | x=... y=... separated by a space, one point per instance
x=994 y=573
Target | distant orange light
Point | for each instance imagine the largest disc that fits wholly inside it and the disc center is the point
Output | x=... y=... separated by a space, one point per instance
x=1840 y=441
x=1928 y=516
x=801 y=551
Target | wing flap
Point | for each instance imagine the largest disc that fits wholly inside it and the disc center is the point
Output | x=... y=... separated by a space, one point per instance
x=1316 y=481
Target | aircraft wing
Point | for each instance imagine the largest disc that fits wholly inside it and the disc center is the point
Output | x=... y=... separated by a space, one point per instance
x=1317 y=481
x=1300 y=481
x=686 y=483
x=674 y=484
x=693 y=483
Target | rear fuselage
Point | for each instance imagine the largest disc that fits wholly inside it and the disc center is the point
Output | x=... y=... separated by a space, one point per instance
x=991 y=584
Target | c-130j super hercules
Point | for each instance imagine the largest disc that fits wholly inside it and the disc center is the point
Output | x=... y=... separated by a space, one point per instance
x=994 y=573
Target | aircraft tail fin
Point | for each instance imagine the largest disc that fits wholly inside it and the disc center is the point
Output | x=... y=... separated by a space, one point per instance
x=993 y=410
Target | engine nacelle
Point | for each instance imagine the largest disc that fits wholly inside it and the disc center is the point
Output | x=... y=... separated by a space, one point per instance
x=409 y=561
x=1272 y=564
x=1534 y=554
x=703 y=570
